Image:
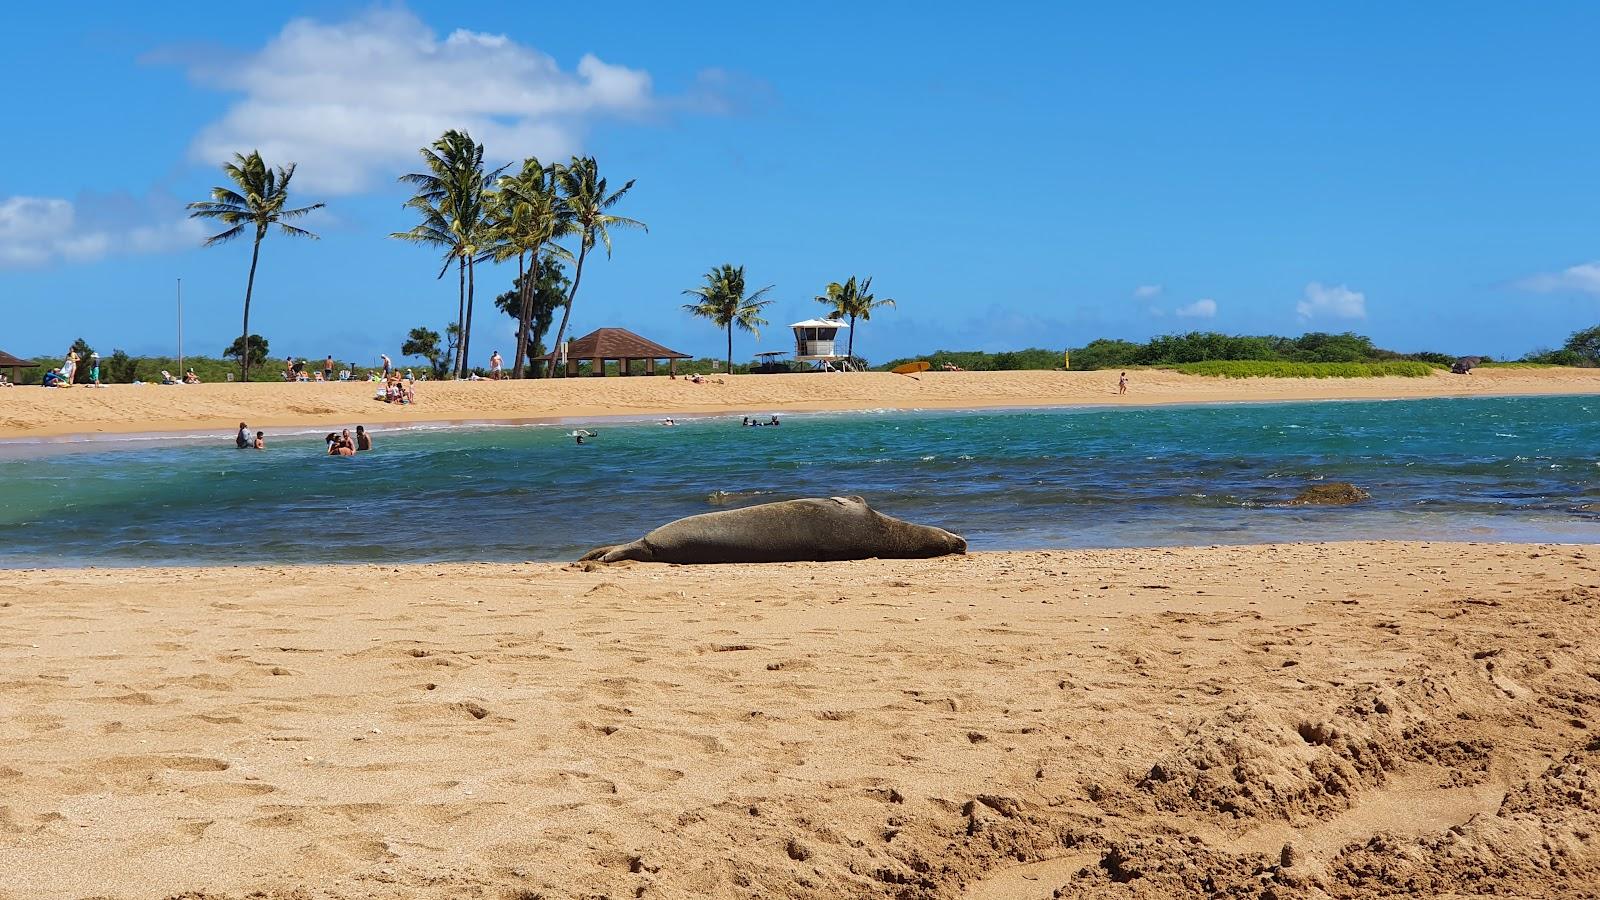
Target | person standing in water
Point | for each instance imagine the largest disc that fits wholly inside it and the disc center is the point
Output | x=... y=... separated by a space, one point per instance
x=1122 y=383
x=261 y=440
x=242 y=439
x=363 y=440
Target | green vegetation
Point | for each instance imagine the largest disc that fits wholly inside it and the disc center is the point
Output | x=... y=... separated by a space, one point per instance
x=1183 y=351
x=1581 y=349
x=1262 y=368
x=451 y=200
x=979 y=361
x=120 y=368
x=259 y=202
x=527 y=217
x=258 y=350
x=723 y=301
x=1204 y=346
x=533 y=301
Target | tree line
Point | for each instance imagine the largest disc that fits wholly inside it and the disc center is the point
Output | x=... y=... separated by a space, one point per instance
x=1581 y=349
x=544 y=216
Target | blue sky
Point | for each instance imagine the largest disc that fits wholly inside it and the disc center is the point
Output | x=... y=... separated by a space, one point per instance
x=1013 y=174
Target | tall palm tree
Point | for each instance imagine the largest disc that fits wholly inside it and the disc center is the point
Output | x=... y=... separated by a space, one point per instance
x=259 y=198
x=434 y=231
x=450 y=195
x=722 y=300
x=854 y=301
x=584 y=194
x=526 y=218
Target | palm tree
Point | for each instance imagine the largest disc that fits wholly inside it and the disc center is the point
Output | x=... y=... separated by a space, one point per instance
x=260 y=197
x=583 y=192
x=849 y=300
x=434 y=230
x=722 y=300
x=526 y=218
x=451 y=197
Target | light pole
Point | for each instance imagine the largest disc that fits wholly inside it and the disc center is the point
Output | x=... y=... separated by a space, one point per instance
x=181 y=369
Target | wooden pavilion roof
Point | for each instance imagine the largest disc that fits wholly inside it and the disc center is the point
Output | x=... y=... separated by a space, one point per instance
x=7 y=361
x=616 y=343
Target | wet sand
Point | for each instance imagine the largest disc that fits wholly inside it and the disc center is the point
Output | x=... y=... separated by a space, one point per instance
x=122 y=409
x=1335 y=720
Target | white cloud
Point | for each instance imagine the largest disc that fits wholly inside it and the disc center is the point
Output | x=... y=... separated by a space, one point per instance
x=1147 y=291
x=1337 y=302
x=36 y=231
x=1205 y=308
x=1583 y=278
x=351 y=102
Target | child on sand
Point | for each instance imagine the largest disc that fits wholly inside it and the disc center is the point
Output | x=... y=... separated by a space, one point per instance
x=1122 y=384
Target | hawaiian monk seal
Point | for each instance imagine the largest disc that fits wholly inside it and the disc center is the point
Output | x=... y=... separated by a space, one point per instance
x=791 y=531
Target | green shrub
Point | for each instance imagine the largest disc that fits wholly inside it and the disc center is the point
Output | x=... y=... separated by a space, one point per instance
x=1285 y=369
x=1033 y=358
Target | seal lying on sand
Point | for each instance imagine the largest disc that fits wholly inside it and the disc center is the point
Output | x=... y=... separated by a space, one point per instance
x=790 y=531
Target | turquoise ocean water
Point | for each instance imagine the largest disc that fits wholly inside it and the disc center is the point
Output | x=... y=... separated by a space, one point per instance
x=1459 y=469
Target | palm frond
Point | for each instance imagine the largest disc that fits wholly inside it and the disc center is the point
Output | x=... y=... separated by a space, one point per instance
x=292 y=231
x=224 y=237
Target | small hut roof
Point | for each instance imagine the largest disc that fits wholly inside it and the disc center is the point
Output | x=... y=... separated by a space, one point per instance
x=617 y=343
x=7 y=361
x=821 y=323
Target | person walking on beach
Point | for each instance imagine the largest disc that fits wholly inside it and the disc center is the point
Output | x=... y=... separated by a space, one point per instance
x=1122 y=384
x=69 y=368
x=94 y=370
x=327 y=368
x=242 y=440
x=363 y=440
x=387 y=365
x=494 y=365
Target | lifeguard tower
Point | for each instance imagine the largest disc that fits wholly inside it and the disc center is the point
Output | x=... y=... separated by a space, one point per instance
x=815 y=341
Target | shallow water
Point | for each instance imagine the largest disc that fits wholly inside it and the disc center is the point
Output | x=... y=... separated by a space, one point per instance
x=1479 y=469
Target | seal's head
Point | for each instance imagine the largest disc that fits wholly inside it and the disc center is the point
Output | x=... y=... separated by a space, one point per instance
x=954 y=543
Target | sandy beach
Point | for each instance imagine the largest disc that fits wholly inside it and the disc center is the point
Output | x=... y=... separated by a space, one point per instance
x=120 y=409
x=1336 y=720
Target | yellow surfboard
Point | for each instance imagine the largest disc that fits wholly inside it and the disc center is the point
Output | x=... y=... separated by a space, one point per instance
x=911 y=368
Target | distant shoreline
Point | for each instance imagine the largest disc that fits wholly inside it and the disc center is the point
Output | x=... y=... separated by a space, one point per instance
x=84 y=413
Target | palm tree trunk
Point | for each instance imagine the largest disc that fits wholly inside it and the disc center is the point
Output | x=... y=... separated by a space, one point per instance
x=522 y=315
x=850 y=342
x=249 y=288
x=577 y=276
x=730 y=348
x=466 y=330
x=461 y=311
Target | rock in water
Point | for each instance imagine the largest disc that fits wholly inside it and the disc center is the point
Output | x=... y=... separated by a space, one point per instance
x=835 y=528
x=1334 y=493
